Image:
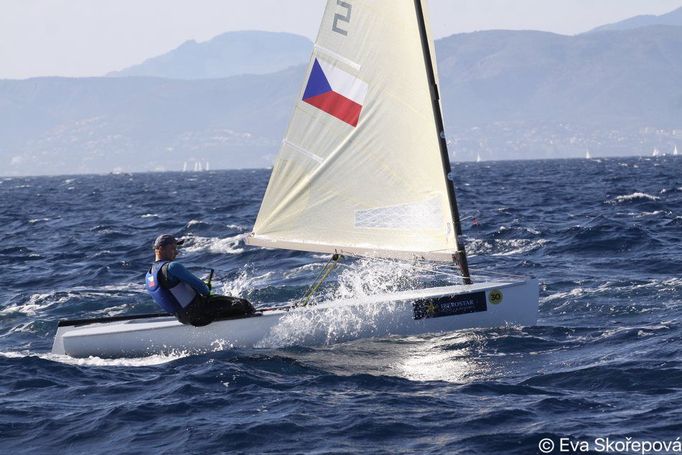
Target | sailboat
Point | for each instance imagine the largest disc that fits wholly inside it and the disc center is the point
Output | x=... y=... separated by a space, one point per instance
x=675 y=151
x=588 y=155
x=362 y=171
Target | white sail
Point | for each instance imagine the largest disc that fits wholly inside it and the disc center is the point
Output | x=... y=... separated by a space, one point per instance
x=675 y=151
x=360 y=169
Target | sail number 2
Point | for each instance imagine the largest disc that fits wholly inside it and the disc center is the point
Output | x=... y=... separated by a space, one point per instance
x=342 y=17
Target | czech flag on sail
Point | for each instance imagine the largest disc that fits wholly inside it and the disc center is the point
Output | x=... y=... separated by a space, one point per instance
x=335 y=92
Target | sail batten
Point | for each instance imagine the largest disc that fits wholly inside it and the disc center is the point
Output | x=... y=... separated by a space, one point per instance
x=361 y=167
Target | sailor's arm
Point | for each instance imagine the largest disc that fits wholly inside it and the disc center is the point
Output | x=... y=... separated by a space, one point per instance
x=181 y=273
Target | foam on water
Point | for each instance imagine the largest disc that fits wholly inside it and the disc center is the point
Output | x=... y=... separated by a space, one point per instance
x=503 y=247
x=38 y=220
x=157 y=359
x=40 y=303
x=635 y=197
x=228 y=245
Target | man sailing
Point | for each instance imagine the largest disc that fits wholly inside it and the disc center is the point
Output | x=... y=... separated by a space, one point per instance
x=183 y=294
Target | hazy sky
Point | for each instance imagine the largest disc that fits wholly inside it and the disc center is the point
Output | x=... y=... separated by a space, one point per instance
x=93 y=37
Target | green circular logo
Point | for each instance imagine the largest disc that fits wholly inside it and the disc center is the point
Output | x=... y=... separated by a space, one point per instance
x=495 y=296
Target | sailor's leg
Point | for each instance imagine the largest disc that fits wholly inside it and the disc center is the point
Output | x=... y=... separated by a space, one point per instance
x=199 y=313
x=224 y=305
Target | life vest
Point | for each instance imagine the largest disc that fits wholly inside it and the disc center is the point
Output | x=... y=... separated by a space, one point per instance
x=173 y=295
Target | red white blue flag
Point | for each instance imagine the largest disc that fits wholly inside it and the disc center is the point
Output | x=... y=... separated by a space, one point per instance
x=335 y=92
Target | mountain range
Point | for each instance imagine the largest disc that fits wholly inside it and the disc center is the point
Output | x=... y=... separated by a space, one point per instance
x=672 y=18
x=226 y=55
x=616 y=90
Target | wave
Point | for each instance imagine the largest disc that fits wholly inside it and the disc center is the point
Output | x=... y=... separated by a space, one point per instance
x=638 y=196
x=504 y=247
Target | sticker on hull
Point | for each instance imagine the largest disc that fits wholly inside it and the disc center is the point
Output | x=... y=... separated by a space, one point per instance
x=451 y=305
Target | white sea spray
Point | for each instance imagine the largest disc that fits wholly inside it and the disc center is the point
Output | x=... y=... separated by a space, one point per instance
x=244 y=282
x=357 y=283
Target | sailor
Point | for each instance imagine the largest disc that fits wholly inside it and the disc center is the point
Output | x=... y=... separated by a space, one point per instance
x=183 y=294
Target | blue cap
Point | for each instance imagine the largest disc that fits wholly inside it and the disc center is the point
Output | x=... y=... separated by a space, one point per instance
x=166 y=239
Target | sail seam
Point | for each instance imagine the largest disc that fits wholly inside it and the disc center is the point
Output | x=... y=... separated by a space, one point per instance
x=303 y=151
x=330 y=53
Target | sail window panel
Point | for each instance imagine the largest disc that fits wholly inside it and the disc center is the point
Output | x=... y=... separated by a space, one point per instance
x=421 y=215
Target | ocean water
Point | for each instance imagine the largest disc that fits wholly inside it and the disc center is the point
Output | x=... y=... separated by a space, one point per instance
x=603 y=237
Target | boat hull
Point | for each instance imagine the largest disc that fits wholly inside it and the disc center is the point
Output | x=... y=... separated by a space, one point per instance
x=432 y=310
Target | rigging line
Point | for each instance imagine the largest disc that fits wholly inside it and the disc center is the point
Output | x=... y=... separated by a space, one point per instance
x=324 y=273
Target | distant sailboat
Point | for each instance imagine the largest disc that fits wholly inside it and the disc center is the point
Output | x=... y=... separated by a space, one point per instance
x=588 y=155
x=675 y=151
x=207 y=167
x=184 y=166
x=656 y=152
x=478 y=157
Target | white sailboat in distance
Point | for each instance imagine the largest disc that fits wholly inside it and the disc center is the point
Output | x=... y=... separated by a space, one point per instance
x=675 y=151
x=363 y=171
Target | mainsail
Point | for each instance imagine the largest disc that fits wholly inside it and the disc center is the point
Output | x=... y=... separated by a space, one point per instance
x=361 y=169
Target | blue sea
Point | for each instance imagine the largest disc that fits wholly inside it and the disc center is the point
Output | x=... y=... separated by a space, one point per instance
x=605 y=360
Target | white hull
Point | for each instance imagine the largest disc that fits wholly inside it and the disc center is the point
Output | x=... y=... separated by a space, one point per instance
x=377 y=316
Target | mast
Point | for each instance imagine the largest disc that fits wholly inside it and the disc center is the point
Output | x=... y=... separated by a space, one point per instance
x=460 y=257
